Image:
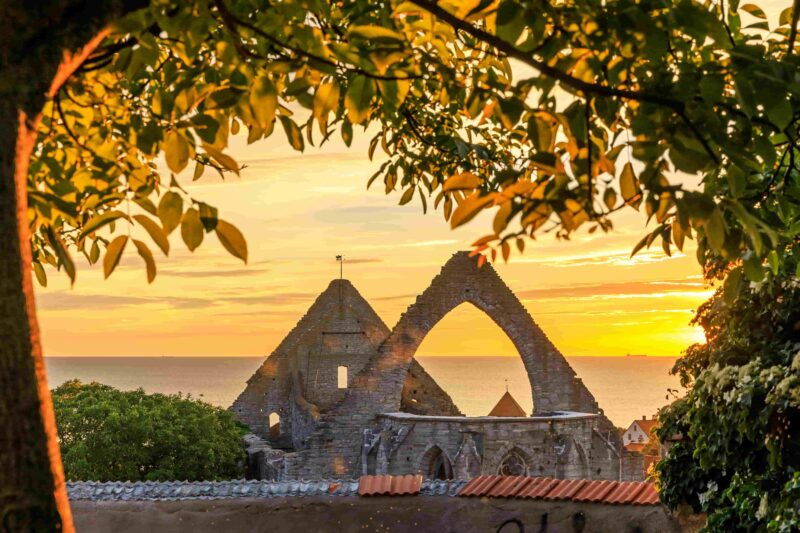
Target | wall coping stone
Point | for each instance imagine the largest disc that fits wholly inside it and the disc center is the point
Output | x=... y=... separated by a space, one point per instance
x=537 y=418
x=240 y=488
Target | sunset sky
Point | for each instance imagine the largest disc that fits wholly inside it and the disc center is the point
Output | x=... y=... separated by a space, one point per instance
x=298 y=211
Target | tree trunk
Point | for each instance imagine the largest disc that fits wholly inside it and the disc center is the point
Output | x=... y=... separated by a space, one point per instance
x=32 y=492
x=34 y=63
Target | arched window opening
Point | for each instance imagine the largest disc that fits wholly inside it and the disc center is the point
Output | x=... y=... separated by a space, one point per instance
x=466 y=351
x=274 y=425
x=341 y=377
x=436 y=465
x=440 y=467
x=513 y=464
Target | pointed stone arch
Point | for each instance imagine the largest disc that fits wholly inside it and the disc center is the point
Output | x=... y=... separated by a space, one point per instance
x=554 y=385
x=435 y=463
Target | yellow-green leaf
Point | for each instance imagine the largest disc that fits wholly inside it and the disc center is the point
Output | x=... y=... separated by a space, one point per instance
x=501 y=217
x=41 y=276
x=176 y=151
x=326 y=99
x=393 y=92
x=731 y=286
x=461 y=182
x=375 y=33
x=170 y=209
x=293 y=133
x=629 y=187
x=407 y=195
x=678 y=235
x=198 y=171
x=264 y=101
x=113 y=254
x=98 y=221
x=715 y=230
x=468 y=208
x=610 y=198
x=192 y=229
x=149 y=262
x=222 y=158
x=158 y=235
x=785 y=16
x=358 y=98
x=232 y=239
x=754 y=10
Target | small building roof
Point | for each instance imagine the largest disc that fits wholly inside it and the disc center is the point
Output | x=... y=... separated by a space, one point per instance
x=507 y=406
x=647 y=425
x=636 y=447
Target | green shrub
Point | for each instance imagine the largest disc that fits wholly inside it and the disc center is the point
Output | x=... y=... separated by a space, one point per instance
x=107 y=435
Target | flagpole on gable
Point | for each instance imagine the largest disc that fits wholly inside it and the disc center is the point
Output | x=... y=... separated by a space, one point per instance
x=340 y=259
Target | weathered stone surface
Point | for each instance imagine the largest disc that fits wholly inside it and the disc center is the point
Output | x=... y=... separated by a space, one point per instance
x=357 y=514
x=394 y=418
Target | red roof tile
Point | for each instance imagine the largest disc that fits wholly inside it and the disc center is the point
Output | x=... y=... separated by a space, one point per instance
x=538 y=488
x=626 y=492
x=566 y=489
x=649 y=496
x=509 y=486
x=594 y=491
x=480 y=486
x=578 y=490
x=389 y=485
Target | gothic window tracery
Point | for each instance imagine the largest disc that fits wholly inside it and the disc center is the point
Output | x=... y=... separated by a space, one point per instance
x=513 y=464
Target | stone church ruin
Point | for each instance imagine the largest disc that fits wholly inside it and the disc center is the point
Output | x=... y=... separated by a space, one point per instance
x=343 y=396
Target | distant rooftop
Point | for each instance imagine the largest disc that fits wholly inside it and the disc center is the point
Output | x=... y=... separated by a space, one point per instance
x=507 y=407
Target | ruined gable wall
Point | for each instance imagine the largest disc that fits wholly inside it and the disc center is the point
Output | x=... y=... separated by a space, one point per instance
x=272 y=388
x=336 y=447
x=423 y=396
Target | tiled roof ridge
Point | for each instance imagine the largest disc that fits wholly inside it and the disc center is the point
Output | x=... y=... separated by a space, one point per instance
x=524 y=487
x=576 y=490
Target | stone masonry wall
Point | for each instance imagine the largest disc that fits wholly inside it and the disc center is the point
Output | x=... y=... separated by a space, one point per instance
x=550 y=447
x=338 y=312
x=335 y=448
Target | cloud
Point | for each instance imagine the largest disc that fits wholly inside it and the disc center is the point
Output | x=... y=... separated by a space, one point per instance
x=212 y=273
x=620 y=289
x=612 y=257
x=69 y=301
x=362 y=217
x=395 y=297
x=438 y=242
x=349 y=261
x=253 y=269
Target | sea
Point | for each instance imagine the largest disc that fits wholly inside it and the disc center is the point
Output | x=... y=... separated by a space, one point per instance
x=625 y=387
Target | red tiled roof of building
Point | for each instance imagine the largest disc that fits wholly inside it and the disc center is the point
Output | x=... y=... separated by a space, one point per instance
x=635 y=447
x=507 y=406
x=577 y=490
x=389 y=485
x=647 y=425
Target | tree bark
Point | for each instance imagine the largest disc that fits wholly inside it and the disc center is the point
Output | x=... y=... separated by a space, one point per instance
x=34 y=62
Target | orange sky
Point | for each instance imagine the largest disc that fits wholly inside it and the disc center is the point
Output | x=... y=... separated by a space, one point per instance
x=299 y=211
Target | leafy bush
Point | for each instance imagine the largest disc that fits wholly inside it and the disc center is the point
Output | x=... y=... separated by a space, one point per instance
x=739 y=456
x=107 y=434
